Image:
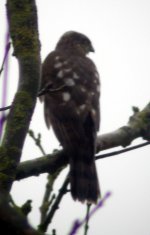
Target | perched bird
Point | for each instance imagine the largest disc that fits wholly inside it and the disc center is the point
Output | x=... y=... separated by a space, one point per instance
x=70 y=91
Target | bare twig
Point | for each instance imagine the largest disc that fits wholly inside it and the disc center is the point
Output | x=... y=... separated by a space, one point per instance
x=5 y=108
x=5 y=80
x=42 y=92
x=78 y=223
x=37 y=141
x=86 y=227
x=45 y=202
x=5 y=56
x=47 y=199
x=50 y=89
x=43 y=227
x=122 y=151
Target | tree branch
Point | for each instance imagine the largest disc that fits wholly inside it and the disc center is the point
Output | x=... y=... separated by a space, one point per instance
x=53 y=162
x=48 y=164
x=138 y=126
x=23 y=31
x=22 y=17
x=12 y=221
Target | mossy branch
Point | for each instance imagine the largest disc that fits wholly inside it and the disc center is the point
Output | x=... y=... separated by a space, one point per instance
x=24 y=34
x=22 y=18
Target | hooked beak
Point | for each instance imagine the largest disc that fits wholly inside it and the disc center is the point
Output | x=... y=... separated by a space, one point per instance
x=92 y=48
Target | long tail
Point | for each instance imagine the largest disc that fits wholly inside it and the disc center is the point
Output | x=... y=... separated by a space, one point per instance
x=83 y=178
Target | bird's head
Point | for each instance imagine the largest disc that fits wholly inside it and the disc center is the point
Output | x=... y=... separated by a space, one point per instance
x=75 y=42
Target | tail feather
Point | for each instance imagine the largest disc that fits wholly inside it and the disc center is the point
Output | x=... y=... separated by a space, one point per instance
x=84 y=180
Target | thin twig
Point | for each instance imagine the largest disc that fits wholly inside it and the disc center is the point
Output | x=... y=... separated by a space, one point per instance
x=86 y=227
x=37 y=141
x=5 y=56
x=45 y=202
x=5 y=108
x=50 y=90
x=122 y=150
x=40 y=93
x=43 y=227
x=5 y=80
x=77 y=224
x=47 y=199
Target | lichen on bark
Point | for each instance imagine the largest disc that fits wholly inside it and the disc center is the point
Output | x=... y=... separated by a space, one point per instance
x=23 y=27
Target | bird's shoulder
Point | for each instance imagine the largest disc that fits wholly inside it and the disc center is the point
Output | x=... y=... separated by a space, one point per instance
x=58 y=64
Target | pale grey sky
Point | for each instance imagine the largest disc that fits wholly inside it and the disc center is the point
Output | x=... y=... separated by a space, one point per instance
x=120 y=32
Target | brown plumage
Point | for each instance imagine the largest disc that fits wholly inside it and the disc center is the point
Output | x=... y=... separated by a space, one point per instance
x=70 y=92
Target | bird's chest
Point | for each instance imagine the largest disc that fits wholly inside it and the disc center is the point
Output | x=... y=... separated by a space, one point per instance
x=73 y=84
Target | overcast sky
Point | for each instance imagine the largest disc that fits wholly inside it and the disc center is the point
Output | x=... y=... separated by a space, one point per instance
x=120 y=32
